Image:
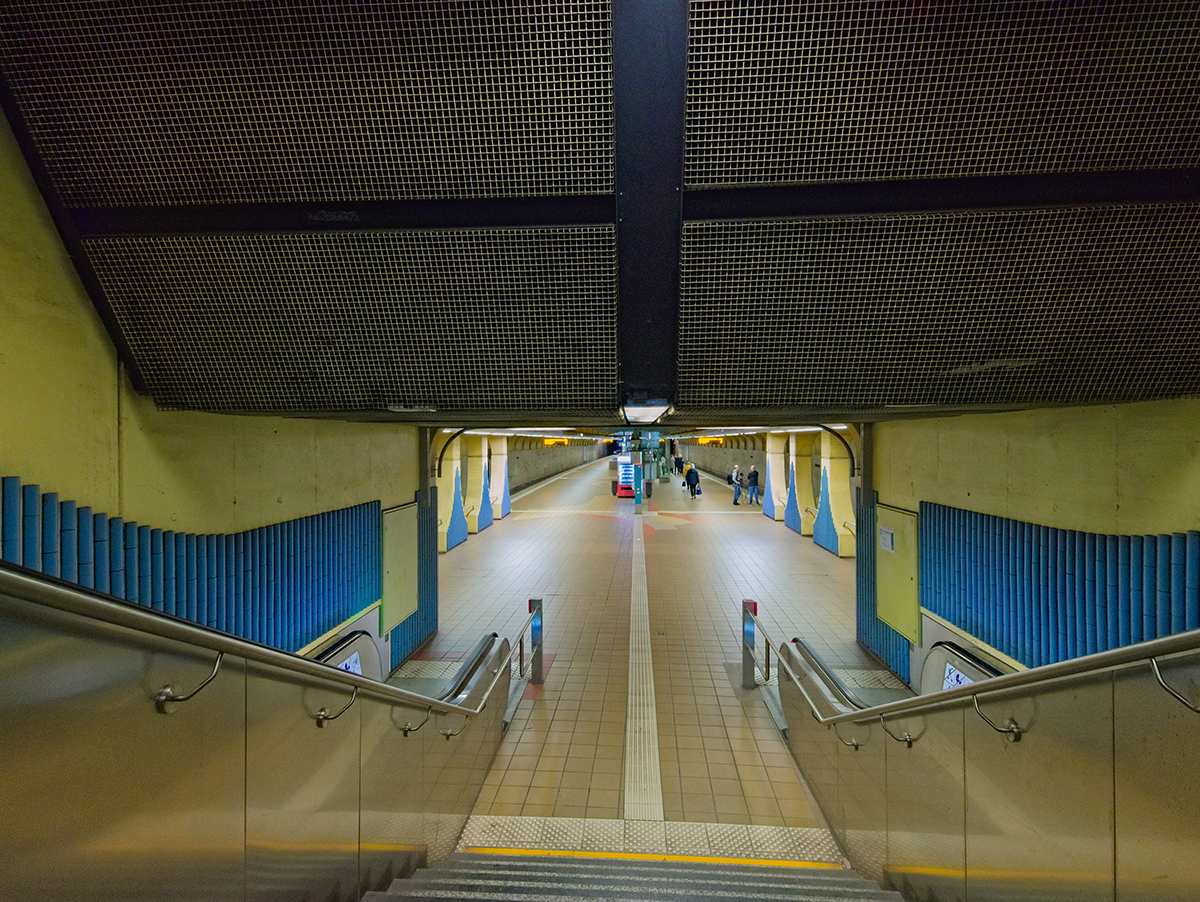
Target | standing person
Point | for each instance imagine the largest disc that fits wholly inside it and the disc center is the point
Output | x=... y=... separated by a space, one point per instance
x=693 y=480
x=737 y=479
x=752 y=482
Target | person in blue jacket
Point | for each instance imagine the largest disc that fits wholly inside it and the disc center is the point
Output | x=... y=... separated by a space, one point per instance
x=693 y=480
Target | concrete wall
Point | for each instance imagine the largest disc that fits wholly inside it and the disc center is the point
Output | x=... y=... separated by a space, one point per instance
x=70 y=422
x=718 y=460
x=1131 y=469
x=529 y=462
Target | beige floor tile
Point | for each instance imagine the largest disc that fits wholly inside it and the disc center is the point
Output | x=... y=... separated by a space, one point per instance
x=712 y=734
x=510 y=795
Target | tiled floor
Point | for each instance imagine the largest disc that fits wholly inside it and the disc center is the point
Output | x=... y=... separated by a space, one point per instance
x=570 y=542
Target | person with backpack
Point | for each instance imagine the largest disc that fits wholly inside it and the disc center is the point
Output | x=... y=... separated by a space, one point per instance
x=752 y=483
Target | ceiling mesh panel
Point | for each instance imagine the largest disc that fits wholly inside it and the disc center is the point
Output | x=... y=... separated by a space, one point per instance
x=218 y=102
x=782 y=92
x=1068 y=306
x=505 y=319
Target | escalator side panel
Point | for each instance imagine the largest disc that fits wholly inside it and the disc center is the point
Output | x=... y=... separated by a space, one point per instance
x=1157 y=790
x=102 y=794
x=926 y=803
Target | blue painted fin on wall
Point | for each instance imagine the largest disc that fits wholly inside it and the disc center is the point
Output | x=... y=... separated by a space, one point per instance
x=824 y=532
x=791 y=514
x=485 y=503
x=768 y=495
x=1042 y=595
x=505 y=498
x=456 y=531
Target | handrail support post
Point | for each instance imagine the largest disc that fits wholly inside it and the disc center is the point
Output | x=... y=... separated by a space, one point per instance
x=749 y=610
x=535 y=641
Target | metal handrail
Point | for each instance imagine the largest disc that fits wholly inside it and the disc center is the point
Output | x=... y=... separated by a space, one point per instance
x=1076 y=668
x=71 y=600
x=852 y=526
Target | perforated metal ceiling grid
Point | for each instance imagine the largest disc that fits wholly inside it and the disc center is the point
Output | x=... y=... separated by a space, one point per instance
x=217 y=102
x=780 y=91
x=1078 y=306
x=505 y=319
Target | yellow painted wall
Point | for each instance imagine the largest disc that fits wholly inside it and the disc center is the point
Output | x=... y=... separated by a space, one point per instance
x=70 y=422
x=58 y=370
x=1130 y=469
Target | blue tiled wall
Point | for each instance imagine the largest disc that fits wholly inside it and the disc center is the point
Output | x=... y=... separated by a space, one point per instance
x=283 y=585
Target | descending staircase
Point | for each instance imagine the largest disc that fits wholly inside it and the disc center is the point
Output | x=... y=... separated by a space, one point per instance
x=546 y=878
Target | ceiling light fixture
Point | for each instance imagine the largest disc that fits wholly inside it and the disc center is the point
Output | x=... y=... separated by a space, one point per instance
x=645 y=413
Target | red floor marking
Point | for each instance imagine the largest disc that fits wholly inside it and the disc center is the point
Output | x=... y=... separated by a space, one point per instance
x=532 y=690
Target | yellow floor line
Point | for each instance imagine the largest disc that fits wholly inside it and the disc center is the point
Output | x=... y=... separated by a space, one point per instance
x=638 y=856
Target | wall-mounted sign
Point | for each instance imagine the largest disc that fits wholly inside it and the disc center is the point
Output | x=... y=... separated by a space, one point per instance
x=887 y=539
x=955 y=678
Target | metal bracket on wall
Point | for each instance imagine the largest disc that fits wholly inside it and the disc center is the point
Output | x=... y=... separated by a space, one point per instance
x=1162 y=682
x=166 y=695
x=1011 y=730
x=323 y=715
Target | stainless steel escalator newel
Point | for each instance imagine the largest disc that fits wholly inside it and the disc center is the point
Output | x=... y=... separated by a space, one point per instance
x=1178 y=695
x=323 y=715
x=1012 y=730
x=166 y=695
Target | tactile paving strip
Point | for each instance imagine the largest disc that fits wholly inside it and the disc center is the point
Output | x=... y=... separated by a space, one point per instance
x=643 y=774
x=651 y=838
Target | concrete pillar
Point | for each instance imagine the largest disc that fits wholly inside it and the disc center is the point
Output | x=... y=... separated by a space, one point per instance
x=836 y=507
x=775 y=477
x=501 y=500
x=452 y=520
x=476 y=490
x=802 y=503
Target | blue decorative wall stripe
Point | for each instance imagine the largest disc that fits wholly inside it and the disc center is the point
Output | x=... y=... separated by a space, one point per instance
x=10 y=519
x=283 y=585
x=31 y=545
x=1041 y=594
x=872 y=633
x=50 y=529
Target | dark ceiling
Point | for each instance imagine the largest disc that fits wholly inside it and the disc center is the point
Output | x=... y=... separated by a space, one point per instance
x=503 y=213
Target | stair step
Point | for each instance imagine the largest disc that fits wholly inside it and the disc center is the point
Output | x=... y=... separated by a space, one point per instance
x=519 y=864
x=531 y=874
x=610 y=893
x=534 y=878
